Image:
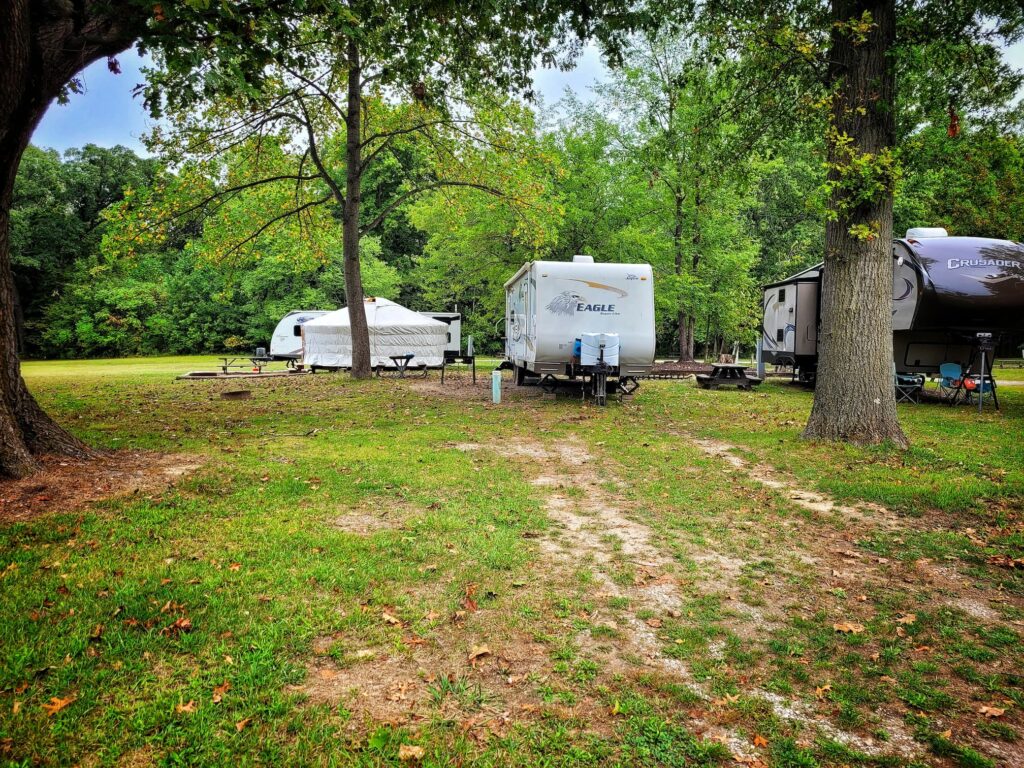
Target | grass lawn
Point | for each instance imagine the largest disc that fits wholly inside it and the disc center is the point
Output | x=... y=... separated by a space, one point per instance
x=394 y=573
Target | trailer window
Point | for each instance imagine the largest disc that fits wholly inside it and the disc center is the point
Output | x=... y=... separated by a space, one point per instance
x=297 y=330
x=782 y=294
x=780 y=334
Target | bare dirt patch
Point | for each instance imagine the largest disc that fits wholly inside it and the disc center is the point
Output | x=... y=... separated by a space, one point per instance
x=66 y=485
x=484 y=680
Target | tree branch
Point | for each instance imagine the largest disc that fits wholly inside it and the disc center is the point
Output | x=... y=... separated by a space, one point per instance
x=419 y=190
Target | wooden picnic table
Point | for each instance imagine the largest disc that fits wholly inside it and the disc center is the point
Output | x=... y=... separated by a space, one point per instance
x=255 y=362
x=729 y=374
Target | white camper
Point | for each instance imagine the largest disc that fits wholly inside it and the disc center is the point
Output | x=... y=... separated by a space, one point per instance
x=453 y=320
x=394 y=330
x=553 y=309
x=286 y=343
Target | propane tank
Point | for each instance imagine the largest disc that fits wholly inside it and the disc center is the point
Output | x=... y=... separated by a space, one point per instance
x=496 y=386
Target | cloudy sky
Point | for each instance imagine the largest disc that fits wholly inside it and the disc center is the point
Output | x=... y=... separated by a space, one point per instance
x=106 y=114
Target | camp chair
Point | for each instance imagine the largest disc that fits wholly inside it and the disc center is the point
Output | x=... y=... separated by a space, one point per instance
x=973 y=385
x=908 y=387
x=950 y=382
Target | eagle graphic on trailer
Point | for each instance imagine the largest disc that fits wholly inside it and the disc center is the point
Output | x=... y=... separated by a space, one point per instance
x=551 y=305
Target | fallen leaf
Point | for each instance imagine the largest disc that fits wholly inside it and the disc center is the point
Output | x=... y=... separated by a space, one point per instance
x=478 y=651
x=760 y=741
x=656 y=623
x=235 y=567
x=947 y=734
x=177 y=627
x=848 y=627
x=907 y=618
x=186 y=708
x=887 y=679
x=990 y=710
x=55 y=705
x=15 y=707
x=240 y=725
x=410 y=752
x=219 y=691
x=390 y=618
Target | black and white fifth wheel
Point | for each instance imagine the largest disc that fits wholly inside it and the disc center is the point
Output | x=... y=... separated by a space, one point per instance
x=946 y=290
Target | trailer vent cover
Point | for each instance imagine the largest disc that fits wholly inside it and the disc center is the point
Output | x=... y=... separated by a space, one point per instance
x=581 y=259
x=921 y=233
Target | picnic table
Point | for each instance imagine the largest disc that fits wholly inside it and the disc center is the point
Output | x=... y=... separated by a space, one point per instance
x=254 y=362
x=729 y=374
x=401 y=366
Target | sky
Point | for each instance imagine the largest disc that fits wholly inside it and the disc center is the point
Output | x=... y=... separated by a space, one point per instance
x=107 y=114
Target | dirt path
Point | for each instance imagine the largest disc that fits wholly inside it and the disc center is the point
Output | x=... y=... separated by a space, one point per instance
x=592 y=526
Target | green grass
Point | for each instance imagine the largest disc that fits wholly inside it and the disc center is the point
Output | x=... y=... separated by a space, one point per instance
x=248 y=551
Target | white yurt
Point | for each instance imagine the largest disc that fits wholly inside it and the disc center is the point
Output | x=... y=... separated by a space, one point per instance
x=394 y=330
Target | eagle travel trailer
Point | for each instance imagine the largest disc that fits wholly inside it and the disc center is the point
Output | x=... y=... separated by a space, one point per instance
x=563 y=318
x=946 y=290
x=286 y=343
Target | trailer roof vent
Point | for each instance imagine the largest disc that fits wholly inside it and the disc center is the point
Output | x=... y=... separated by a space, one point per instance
x=921 y=233
x=581 y=259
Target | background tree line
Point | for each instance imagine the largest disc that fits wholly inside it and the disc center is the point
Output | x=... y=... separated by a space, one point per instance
x=666 y=165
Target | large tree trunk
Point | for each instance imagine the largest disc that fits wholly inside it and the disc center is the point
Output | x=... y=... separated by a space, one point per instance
x=854 y=398
x=42 y=46
x=353 y=179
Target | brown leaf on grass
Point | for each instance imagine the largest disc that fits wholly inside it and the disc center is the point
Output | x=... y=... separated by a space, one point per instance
x=235 y=567
x=478 y=652
x=947 y=734
x=97 y=632
x=408 y=753
x=21 y=687
x=822 y=690
x=888 y=679
x=656 y=623
x=240 y=725
x=219 y=691
x=1005 y=561
x=848 y=627
x=468 y=602
x=15 y=707
x=55 y=705
x=901 y=632
x=991 y=710
x=177 y=627
x=726 y=699
x=187 y=709
x=907 y=618
x=390 y=618
x=760 y=741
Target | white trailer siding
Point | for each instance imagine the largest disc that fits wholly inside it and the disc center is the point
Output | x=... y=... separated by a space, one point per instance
x=454 y=322
x=549 y=304
x=286 y=343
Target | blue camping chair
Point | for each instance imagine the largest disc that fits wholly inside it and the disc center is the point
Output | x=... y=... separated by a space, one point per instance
x=950 y=381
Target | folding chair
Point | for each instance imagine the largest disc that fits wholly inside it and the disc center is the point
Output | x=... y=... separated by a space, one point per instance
x=908 y=386
x=950 y=382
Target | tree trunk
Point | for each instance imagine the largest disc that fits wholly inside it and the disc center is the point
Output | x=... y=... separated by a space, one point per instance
x=684 y=319
x=42 y=46
x=854 y=397
x=353 y=178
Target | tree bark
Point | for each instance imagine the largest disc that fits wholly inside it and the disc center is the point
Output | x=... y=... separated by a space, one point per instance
x=854 y=397
x=350 y=234
x=42 y=46
x=685 y=322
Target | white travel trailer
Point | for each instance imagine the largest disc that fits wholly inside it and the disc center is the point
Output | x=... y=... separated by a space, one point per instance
x=286 y=343
x=453 y=320
x=554 y=310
